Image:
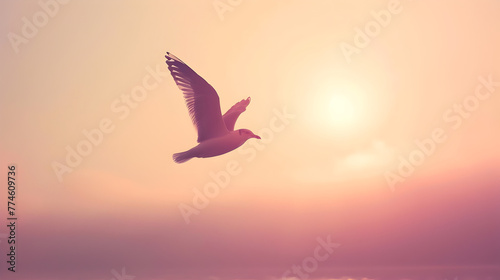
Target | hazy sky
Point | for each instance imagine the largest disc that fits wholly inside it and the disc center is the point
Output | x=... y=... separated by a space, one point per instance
x=379 y=123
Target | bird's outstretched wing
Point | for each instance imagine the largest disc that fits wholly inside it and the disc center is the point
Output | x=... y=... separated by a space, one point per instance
x=201 y=99
x=234 y=112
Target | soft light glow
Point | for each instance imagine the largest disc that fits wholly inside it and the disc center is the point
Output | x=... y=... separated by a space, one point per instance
x=342 y=110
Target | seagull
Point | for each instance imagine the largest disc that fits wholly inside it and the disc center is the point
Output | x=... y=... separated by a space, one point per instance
x=216 y=134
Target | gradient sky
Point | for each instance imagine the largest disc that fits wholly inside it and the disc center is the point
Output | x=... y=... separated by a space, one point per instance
x=321 y=173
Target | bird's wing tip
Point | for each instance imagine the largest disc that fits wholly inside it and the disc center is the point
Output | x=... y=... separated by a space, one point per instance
x=170 y=56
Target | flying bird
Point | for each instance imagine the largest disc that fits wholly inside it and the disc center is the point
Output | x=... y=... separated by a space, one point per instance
x=216 y=134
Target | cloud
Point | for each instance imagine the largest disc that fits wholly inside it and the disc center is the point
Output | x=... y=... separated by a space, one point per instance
x=367 y=162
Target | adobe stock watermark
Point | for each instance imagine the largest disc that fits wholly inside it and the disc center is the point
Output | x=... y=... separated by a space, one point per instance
x=121 y=107
x=363 y=36
x=453 y=117
x=221 y=179
x=121 y=276
x=223 y=6
x=31 y=26
x=309 y=265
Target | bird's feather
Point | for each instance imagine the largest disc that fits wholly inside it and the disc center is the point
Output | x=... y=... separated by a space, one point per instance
x=234 y=112
x=201 y=99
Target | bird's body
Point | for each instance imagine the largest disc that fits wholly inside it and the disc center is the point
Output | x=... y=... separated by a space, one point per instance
x=213 y=147
x=216 y=134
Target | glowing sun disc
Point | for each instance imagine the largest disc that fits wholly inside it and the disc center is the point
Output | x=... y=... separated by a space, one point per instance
x=342 y=110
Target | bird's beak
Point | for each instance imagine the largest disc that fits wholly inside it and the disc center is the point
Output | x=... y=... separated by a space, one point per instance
x=256 y=136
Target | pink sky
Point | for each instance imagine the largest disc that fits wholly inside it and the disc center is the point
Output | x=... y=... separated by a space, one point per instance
x=353 y=121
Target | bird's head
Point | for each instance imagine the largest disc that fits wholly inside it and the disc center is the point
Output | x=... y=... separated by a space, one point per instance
x=247 y=134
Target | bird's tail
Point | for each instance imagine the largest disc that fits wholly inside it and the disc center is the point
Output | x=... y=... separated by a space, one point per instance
x=182 y=157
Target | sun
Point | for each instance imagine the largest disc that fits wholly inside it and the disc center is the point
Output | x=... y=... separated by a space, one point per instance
x=342 y=110
x=343 y=107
